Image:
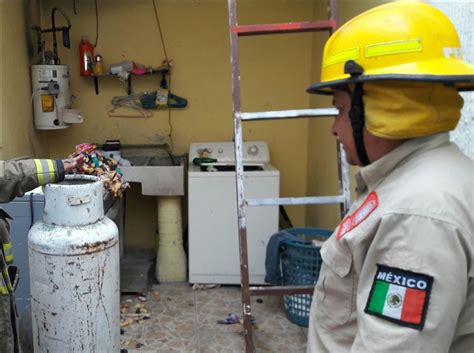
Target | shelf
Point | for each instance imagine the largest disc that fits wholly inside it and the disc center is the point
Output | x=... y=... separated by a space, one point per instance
x=162 y=70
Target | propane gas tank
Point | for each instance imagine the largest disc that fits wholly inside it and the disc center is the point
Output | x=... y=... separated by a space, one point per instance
x=74 y=271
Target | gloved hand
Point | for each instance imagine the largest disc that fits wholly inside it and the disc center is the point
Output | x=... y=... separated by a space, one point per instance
x=73 y=163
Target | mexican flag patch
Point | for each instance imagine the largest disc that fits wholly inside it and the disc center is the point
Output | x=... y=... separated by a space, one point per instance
x=400 y=296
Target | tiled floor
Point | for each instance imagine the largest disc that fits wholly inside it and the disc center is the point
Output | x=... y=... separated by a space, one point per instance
x=185 y=320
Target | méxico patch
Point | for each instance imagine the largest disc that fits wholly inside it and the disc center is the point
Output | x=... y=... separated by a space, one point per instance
x=400 y=296
x=356 y=218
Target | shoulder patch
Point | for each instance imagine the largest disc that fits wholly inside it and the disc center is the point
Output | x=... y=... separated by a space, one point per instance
x=400 y=296
x=359 y=215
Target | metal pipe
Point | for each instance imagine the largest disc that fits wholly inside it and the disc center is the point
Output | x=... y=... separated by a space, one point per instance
x=239 y=169
x=285 y=114
x=281 y=290
x=55 y=43
x=310 y=200
x=47 y=30
x=277 y=28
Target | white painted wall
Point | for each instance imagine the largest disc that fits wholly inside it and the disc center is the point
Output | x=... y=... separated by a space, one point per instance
x=461 y=13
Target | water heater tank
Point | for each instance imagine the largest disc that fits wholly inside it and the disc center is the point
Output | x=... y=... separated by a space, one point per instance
x=51 y=94
x=74 y=271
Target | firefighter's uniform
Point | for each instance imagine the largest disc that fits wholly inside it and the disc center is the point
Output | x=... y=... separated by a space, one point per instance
x=403 y=221
x=398 y=272
x=16 y=178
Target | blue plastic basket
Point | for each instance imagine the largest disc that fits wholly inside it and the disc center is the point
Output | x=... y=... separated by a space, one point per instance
x=300 y=266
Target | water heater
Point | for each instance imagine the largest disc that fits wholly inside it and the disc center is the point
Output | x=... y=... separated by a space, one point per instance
x=52 y=98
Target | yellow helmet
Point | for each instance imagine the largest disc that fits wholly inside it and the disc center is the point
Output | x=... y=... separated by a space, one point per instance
x=405 y=40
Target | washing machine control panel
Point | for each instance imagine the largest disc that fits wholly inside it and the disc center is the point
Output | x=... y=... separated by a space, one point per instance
x=252 y=152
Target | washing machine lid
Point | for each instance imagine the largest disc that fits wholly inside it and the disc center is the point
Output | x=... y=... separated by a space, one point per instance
x=230 y=167
x=255 y=152
x=216 y=170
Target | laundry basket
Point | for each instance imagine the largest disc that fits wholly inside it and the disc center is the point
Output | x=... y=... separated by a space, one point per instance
x=300 y=266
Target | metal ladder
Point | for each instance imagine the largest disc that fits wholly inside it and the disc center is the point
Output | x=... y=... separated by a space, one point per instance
x=343 y=169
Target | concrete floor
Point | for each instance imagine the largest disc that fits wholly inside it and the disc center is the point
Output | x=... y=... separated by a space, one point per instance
x=185 y=320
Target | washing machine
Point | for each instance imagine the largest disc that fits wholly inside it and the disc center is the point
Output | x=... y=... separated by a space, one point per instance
x=212 y=212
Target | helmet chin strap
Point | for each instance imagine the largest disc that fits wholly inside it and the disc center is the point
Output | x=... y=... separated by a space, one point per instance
x=357 y=114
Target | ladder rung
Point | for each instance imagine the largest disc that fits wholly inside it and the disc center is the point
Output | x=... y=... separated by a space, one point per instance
x=285 y=114
x=312 y=200
x=281 y=290
x=292 y=27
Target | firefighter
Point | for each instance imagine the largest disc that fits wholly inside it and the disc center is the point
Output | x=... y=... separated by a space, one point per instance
x=16 y=178
x=398 y=271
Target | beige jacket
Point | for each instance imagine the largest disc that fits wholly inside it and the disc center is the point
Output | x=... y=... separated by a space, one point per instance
x=398 y=272
x=18 y=177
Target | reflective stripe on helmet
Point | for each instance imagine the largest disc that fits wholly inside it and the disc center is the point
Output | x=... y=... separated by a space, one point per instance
x=396 y=41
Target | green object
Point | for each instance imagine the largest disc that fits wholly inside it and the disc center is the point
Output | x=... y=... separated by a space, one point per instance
x=200 y=161
x=148 y=100
x=379 y=296
x=176 y=101
x=172 y=100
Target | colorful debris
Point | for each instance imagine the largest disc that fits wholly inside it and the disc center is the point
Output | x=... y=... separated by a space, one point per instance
x=95 y=163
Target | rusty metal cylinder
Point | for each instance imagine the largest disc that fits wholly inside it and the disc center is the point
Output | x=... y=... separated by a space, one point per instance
x=74 y=271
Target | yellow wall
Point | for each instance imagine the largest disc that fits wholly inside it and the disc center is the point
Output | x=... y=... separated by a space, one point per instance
x=275 y=72
x=17 y=138
x=322 y=164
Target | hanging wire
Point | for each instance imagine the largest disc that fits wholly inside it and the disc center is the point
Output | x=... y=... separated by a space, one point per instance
x=167 y=62
x=31 y=126
x=74 y=6
x=159 y=30
x=96 y=23
x=169 y=116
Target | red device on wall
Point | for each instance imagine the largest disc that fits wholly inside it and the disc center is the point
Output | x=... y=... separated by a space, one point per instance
x=86 y=56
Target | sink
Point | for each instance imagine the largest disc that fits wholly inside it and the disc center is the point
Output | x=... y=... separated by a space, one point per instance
x=160 y=175
x=154 y=161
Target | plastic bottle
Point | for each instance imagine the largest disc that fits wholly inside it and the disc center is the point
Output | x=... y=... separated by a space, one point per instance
x=98 y=65
x=86 y=53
